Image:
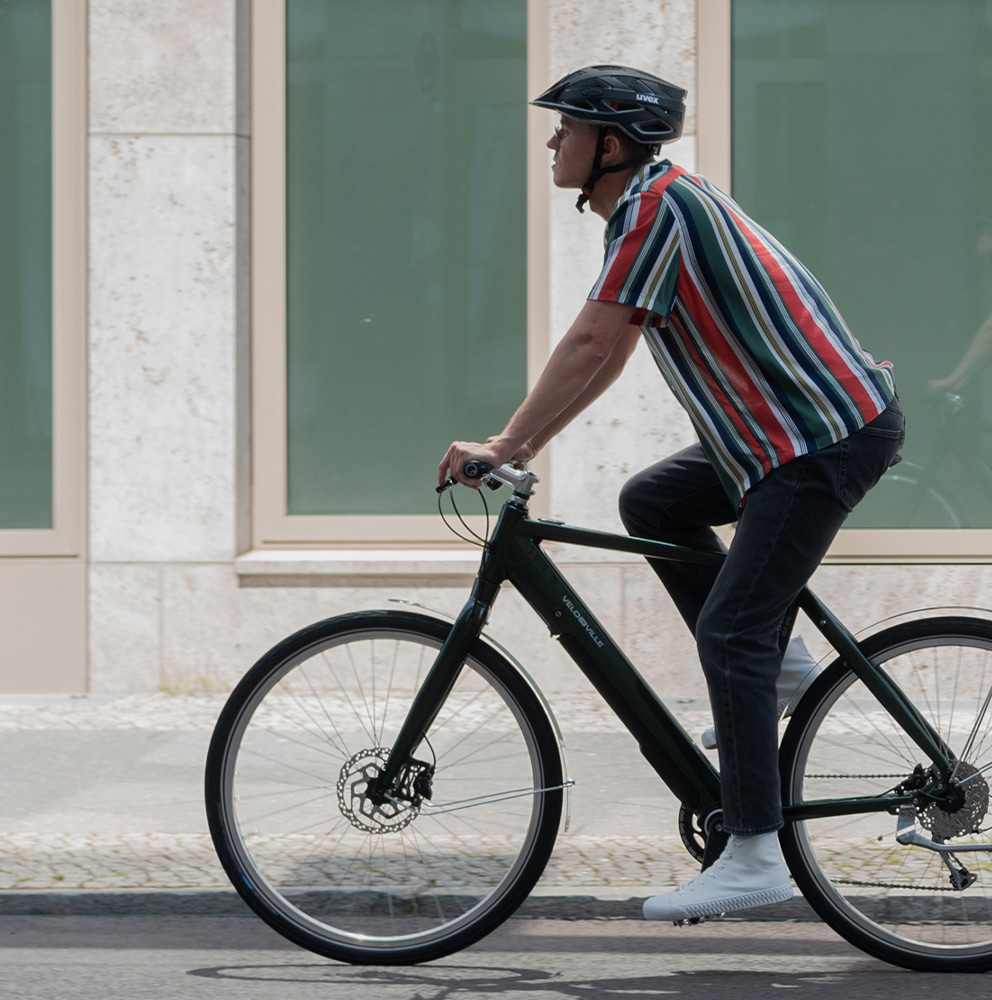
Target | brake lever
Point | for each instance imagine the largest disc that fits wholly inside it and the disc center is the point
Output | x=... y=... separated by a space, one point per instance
x=449 y=482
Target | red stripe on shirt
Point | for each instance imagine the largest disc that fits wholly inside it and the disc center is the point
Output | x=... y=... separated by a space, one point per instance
x=814 y=333
x=766 y=417
x=647 y=212
x=756 y=449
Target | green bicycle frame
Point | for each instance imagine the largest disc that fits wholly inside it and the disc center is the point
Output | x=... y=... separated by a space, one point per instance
x=513 y=554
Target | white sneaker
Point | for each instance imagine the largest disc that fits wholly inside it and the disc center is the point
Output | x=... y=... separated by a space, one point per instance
x=799 y=670
x=750 y=872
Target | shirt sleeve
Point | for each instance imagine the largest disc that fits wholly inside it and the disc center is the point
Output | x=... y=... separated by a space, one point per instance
x=642 y=261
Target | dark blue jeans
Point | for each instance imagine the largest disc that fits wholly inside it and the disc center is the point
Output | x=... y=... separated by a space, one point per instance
x=735 y=611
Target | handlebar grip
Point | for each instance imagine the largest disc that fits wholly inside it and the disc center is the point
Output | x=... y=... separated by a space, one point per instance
x=476 y=470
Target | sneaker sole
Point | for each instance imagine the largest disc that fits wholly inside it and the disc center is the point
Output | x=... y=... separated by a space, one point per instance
x=745 y=901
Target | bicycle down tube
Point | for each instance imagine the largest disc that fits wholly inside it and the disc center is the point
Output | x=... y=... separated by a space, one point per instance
x=514 y=555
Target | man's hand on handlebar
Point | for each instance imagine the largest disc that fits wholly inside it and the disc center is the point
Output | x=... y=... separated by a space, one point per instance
x=493 y=452
x=461 y=452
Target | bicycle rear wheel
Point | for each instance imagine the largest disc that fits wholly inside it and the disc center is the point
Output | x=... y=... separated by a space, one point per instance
x=894 y=901
x=291 y=758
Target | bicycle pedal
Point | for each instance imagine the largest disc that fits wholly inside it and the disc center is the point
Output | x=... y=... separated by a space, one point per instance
x=692 y=921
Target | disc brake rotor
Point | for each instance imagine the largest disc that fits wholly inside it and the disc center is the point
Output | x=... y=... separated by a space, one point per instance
x=358 y=772
x=967 y=817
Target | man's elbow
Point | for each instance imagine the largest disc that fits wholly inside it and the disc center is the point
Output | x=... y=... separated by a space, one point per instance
x=592 y=353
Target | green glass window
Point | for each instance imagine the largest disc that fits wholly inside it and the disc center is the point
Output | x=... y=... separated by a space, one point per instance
x=406 y=229
x=25 y=264
x=862 y=137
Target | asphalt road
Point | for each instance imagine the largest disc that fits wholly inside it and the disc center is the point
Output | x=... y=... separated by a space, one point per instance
x=172 y=958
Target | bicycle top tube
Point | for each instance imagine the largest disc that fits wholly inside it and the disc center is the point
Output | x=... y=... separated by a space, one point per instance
x=522 y=483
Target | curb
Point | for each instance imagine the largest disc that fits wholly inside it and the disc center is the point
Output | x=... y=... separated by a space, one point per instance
x=118 y=903
x=227 y=903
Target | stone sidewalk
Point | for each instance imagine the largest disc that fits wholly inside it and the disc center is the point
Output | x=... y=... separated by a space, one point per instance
x=102 y=796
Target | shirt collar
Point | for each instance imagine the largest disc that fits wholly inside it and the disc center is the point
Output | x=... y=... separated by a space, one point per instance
x=653 y=168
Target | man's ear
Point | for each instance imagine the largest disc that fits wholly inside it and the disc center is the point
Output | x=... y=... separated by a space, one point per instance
x=612 y=150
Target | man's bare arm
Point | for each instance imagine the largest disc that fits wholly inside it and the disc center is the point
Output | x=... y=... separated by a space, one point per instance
x=586 y=361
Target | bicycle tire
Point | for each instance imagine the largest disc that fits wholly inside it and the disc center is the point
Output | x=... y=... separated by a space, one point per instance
x=291 y=754
x=893 y=901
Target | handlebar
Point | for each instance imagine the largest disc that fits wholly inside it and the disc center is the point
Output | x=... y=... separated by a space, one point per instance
x=520 y=481
x=476 y=470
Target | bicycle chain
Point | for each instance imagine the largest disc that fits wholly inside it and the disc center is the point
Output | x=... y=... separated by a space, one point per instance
x=893 y=885
x=859 y=776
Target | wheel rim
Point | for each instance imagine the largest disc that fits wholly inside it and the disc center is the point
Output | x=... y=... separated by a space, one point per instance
x=303 y=833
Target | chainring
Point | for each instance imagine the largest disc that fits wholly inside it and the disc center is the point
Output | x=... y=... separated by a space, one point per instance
x=692 y=834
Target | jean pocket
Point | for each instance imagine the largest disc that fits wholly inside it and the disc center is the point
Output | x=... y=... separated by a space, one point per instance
x=867 y=454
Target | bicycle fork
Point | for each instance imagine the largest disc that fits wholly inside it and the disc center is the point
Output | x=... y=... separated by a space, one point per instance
x=394 y=781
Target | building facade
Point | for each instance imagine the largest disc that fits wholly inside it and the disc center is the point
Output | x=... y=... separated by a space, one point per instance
x=269 y=316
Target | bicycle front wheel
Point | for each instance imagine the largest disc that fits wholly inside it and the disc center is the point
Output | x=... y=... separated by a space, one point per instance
x=901 y=903
x=291 y=759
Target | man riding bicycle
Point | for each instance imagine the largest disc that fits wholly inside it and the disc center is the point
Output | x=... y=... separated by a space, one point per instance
x=795 y=424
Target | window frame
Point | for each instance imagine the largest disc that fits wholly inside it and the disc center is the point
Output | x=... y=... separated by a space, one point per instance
x=272 y=526
x=67 y=535
x=852 y=545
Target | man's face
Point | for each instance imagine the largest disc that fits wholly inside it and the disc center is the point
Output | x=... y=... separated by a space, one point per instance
x=574 y=145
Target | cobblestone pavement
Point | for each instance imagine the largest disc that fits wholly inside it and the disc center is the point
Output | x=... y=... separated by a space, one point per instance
x=58 y=861
x=97 y=713
x=79 y=828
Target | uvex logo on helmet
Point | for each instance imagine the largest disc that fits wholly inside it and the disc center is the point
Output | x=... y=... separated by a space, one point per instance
x=647 y=98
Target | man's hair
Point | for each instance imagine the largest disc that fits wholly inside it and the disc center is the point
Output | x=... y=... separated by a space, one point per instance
x=632 y=149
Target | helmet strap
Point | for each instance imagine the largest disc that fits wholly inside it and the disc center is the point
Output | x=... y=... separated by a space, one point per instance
x=598 y=170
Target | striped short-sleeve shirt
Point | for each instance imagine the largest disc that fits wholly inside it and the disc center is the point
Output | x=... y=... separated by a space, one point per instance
x=746 y=337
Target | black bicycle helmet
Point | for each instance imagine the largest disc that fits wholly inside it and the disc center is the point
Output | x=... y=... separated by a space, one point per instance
x=641 y=105
x=644 y=107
